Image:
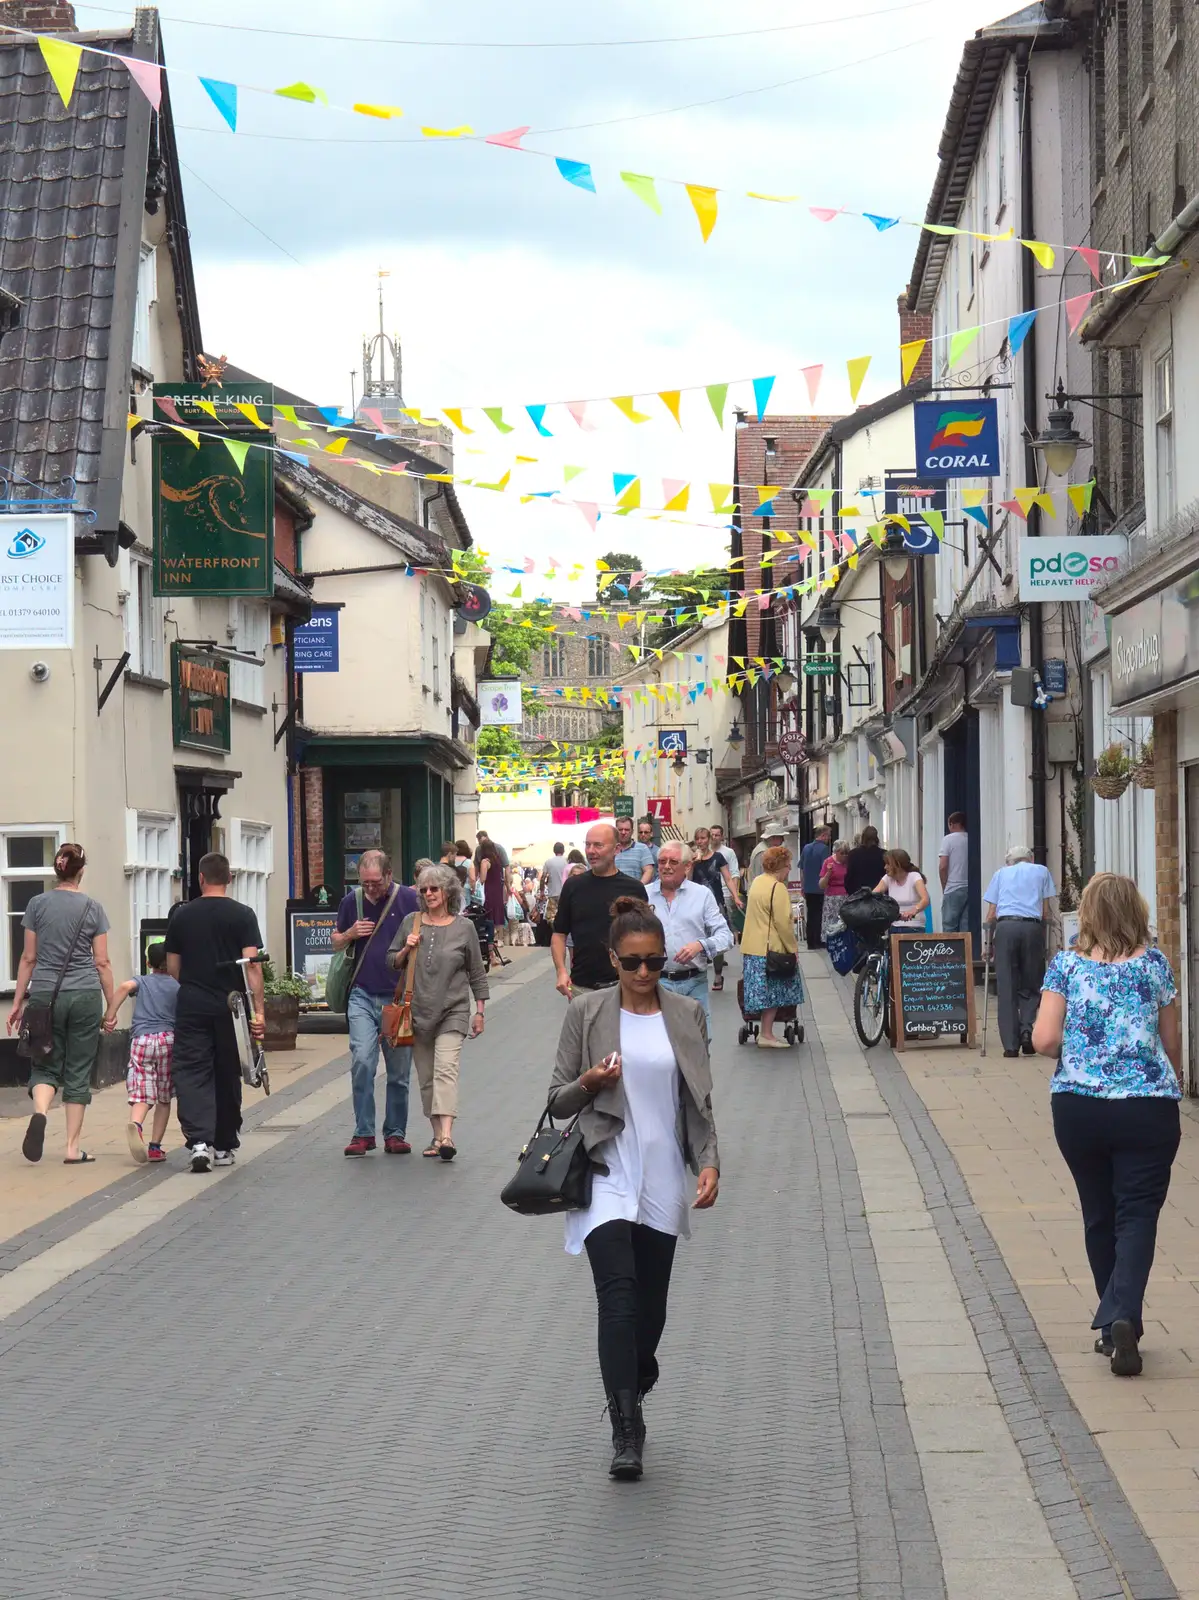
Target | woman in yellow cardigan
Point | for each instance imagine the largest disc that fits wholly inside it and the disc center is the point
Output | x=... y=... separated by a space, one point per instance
x=769 y=926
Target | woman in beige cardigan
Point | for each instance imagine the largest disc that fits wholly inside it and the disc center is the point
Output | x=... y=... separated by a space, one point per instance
x=633 y=1066
x=769 y=925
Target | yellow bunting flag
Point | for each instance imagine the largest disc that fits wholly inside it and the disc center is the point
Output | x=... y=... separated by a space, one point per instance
x=644 y=189
x=630 y=500
x=377 y=111
x=857 y=376
x=455 y=415
x=766 y=493
x=336 y=448
x=1045 y=501
x=624 y=404
x=1025 y=498
x=909 y=355
x=239 y=449
x=779 y=199
x=1043 y=252
x=250 y=411
x=704 y=202
x=188 y=433
x=131 y=421
x=720 y=493
x=678 y=502
x=974 y=497
x=62 y=63
x=941 y=228
x=670 y=398
x=499 y=487
x=1080 y=496
x=960 y=342
x=447 y=133
x=809 y=539
x=209 y=410
x=305 y=92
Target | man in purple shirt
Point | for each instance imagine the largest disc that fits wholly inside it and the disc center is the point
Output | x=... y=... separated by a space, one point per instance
x=385 y=904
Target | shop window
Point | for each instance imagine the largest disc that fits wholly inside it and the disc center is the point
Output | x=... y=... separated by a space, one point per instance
x=249 y=633
x=153 y=854
x=1163 y=433
x=147 y=298
x=26 y=869
x=251 y=856
x=145 y=624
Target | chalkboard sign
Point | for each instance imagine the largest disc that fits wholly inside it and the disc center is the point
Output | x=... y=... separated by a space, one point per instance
x=932 y=977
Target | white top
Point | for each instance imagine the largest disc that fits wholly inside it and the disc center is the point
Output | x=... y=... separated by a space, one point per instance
x=905 y=896
x=646 y=1180
x=955 y=847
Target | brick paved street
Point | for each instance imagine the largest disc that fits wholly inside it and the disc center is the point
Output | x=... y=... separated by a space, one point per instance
x=317 y=1378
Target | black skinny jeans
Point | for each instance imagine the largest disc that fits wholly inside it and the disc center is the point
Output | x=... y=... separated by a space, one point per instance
x=631 y=1267
x=1119 y=1153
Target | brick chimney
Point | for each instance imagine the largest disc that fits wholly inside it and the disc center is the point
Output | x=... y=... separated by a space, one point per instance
x=916 y=325
x=39 y=16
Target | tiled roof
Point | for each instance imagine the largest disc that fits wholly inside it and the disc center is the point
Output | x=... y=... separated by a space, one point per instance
x=60 y=203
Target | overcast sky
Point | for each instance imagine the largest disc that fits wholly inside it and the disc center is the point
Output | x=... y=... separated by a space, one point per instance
x=508 y=285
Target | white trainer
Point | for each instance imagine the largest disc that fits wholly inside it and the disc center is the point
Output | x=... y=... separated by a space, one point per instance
x=223 y=1158
x=201 y=1158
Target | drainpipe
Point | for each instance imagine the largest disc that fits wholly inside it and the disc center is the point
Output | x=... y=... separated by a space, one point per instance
x=438 y=494
x=1036 y=638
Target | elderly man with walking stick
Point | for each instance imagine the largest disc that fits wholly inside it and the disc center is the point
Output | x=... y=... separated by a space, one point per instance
x=1016 y=907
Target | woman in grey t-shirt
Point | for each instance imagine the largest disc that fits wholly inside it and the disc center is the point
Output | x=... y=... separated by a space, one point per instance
x=65 y=932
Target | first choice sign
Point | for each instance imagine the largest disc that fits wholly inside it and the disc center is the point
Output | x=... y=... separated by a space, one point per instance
x=37 y=582
x=1068 y=569
x=956 y=440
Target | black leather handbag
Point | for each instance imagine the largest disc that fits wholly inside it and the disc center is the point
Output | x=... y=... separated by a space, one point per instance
x=553 y=1172
x=779 y=963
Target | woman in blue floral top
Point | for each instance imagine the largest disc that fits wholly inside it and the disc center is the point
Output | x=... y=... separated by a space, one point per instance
x=1109 y=1012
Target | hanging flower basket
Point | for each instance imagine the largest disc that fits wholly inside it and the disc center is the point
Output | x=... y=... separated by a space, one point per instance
x=1113 y=772
x=1110 y=788
x=1143 y=774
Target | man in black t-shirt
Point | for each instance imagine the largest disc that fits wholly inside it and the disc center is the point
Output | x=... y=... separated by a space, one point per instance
x=204 y=939
x=585 y=913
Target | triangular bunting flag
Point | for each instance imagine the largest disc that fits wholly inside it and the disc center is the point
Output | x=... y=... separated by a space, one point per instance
x=568 y=475
x=455 y=415
x=766 y=501
x=670 y=398
x=717 y=393
x=762 y=388
x=168 y=408
x=1091 y=257
x=630 y=500
x=824 y=213
x=1025 y=498
x=1017 y=330
x=812 y=376
x=960 y=342
x=576 y=172
x=909 y=355
x=720 y=493
x=384 y=112
x=644 y=189
x=591 y=513
x=620 y=482
x=239 y=449
x=305 y=92
x=1045 y=501
x=495 y=414
x=578 y=410
x=1076 y=309
x=336 y=448
x=62 y=63
x=250 y=411
x=1015 y=508
x=1044 y=253
x=881 y=223
x=857 y=375
x=624 y=404
x=535 y=415
x=148 y=77
x=704 y=202
x=1080 y=496
x=936 y=521
x=942 y=228
x=977 y=513
x=510 y=140
x=189 y=434
x=677 y=494
x=447 y=133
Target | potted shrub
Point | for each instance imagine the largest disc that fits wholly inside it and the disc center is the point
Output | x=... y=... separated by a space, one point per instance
x=1143 y=773
x=283 y=993
x=1113 y=772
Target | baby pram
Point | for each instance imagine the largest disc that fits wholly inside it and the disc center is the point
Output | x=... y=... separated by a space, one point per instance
x=787 y=1015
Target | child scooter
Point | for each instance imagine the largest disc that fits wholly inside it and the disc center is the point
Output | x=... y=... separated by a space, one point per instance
x=250 y=1052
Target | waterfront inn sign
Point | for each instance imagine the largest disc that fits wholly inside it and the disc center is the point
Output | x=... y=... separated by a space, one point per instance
x=214 y=503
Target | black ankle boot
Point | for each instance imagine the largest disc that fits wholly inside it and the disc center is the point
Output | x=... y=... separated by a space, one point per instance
x=626 y=1446
x=639 y=1425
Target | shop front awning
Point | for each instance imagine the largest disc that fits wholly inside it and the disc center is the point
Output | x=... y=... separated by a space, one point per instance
x=384 y=750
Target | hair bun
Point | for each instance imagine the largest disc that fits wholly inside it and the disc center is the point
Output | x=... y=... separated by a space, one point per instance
x=628 y=905
x=69 y=862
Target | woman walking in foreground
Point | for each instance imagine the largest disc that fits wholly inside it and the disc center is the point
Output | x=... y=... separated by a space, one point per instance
x=1109 y=1012
x=633 y=1065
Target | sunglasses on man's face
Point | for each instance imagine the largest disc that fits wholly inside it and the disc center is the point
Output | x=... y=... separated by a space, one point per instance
x=634 y=963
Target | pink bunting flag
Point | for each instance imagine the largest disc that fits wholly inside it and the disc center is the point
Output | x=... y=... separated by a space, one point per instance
x=1076 y=308
x=510 y=140
x=168 y=408
x=590 y=511
x=573 y=613
x=1015 y=508
x=578 y=410
x=810 y=509
x=812 y=376
x=1091 y=257
x=373 y=415
x=148 y=77
x=825 y=213
x=529 y=564
x=764 y=601
x=636 y=579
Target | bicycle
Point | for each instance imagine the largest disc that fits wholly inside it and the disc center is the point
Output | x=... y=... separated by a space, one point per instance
x=872 y=996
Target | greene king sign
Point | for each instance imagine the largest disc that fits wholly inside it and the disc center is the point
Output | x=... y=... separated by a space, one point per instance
x=1068 y=569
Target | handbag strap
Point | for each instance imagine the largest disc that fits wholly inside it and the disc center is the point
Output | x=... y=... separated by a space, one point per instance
x=404 y=984
x=66 y=960
x=395 y=889
x=770 y=915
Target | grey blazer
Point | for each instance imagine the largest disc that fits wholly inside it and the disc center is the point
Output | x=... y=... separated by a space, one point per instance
x=592 y=1031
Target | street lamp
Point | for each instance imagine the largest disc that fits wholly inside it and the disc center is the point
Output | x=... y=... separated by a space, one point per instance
x=1061 y=442
x=785 y=680
x=828 y=622
x=895 y=552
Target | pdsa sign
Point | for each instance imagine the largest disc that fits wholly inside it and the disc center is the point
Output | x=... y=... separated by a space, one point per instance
x=37 y=582
x=955 y=440
x=1068 y=569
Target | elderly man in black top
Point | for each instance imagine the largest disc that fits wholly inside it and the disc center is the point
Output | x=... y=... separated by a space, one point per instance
x=584 y=913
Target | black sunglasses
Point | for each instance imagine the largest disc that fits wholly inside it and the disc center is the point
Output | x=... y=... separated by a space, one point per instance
x=634 y=963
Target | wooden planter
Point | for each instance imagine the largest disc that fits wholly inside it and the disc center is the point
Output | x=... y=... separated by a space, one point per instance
x=1110 y=788
x=282 y=1014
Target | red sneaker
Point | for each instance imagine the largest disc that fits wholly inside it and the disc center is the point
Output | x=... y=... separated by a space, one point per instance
x=359 y=1146
x=393 y=1145
x=155 y=1152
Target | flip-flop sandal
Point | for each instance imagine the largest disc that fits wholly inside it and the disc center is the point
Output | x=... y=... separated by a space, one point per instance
x=34 y=1141
x=434 y=1149
x=448 y=1150
x=82 y=1159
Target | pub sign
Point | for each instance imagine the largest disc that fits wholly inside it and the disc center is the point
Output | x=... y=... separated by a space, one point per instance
x=199 y=699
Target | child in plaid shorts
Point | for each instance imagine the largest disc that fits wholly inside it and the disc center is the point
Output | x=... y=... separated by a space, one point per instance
x=148 y=1081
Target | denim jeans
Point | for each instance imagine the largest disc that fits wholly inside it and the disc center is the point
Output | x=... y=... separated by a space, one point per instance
x=955 y=912
x=364 y=1013
x=696 y=988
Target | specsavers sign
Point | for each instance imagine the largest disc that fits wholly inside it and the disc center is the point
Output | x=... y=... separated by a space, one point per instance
x=37 y=582
x=1068 y=569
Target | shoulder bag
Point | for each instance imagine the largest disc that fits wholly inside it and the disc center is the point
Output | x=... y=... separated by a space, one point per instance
x=35 y=1041
x=779 y=963
x=553 y=1172
x=396 y=1027
x=343 y=968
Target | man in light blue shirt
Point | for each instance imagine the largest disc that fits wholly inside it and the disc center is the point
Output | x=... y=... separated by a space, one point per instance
x=1016 y=907
x=634 y=859
x=695 y=929
x=811 y=863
